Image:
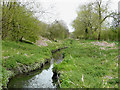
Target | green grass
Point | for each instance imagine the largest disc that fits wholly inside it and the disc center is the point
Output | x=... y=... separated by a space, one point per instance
x=15 y=54
x=27 y=54
x=83 y=59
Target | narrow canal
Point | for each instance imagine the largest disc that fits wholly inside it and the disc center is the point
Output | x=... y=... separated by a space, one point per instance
x=38 y=79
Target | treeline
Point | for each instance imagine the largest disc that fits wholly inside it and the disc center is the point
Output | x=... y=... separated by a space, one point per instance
x=19 y=22
x=57 y=30
x=91 y=22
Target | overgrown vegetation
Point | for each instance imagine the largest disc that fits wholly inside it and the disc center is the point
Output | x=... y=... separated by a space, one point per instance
x=85 y=65
x=88 y=66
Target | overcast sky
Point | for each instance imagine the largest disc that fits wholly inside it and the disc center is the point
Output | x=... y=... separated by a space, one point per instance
x=66 y=10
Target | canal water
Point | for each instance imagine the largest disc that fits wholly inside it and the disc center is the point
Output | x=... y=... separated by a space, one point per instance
x=37 y=79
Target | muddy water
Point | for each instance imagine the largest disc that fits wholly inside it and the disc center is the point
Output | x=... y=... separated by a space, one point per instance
x=37 y=79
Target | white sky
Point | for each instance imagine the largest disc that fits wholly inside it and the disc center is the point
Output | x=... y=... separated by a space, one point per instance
x=66 y=10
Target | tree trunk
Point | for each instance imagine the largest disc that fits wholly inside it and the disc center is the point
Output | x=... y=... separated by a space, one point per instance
x=99 y=35
x=21 y=39
x=100 y=17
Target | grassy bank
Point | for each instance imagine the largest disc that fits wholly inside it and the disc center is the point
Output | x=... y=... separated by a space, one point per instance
x=89 y=66
x=85 y=64
x=20 y=57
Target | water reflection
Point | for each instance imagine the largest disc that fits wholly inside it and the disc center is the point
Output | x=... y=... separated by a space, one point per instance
x=42 y=80
x=57 y=57
x=37 y=79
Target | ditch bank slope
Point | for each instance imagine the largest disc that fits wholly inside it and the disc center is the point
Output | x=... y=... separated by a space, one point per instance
x=88 y=65
x=19 y=57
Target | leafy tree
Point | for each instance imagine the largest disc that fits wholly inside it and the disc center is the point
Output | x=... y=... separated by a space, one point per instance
x=85 y=22
x=57 y=30
x=91 y=20
x=18 y=22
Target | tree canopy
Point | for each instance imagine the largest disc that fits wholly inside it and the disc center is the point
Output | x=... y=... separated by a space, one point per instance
x=90 y=22
x=18 y=22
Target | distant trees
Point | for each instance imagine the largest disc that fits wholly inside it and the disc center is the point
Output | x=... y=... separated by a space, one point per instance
x=90 y=21
x=57 y=30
